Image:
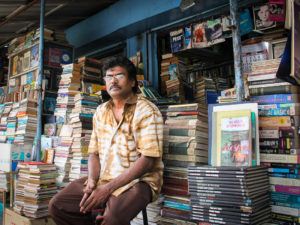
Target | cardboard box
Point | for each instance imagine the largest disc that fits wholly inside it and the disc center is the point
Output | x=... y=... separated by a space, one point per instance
x=11 y=154
x=13 y=218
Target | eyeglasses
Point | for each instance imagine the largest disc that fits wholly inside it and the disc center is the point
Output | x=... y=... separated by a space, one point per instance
x=109 y=78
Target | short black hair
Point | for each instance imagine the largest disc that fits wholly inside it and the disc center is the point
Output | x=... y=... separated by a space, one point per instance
x=125 y=63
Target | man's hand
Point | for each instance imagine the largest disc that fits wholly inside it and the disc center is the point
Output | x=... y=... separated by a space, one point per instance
x=91 y=185
x=97 y=198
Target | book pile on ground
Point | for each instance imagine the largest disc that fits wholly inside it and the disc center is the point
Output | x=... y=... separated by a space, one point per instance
x=12 y=123
x=69 y=86
x=221 y=83
x=63 y=156
x=82 y=124
x=153 y=213
x=204 y=87
x=173 y=77
x=229 y=195
x=185 y=143
x=3 y=123
x=27 y=121
x=38 y=189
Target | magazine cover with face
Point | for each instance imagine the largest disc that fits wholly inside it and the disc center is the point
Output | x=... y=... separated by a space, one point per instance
x=262 y=19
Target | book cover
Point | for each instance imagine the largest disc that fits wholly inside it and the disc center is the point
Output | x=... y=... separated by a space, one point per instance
x=233 y=138
x=26 y=61
x=261 y=15
x=276 y=98
x=253 y=107
x=54 y=57
x=277 y=10
x=177 y=40
x=34 y=56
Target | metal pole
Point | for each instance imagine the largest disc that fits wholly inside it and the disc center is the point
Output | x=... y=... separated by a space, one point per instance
x=40 y=80
x=237 y=51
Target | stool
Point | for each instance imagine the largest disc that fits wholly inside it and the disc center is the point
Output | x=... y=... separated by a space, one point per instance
x=95 y=212
x=145 y=218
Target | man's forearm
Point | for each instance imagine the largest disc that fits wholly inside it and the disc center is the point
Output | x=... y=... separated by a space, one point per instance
x=94 y=167
x=143 y=165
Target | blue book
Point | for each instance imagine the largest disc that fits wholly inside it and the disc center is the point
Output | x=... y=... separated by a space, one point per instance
x=285 y=198
x=276 y=98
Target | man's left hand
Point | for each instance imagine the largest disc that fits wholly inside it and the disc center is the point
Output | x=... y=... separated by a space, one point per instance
x=97 y=198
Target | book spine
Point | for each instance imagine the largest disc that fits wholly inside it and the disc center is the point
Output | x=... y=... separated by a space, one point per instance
x=275 y=151
x=279 y=158
x=282 y=111
x=292 y=205
x=177 y=205
x=284 y=198
x=284 y=181
x=286 y=189
x=175 y=215
x=282 y=143
x=285 y=210
x=285 y=175
x=260 y=82
x=275 y=98
x=284 y=89
x=283 y=170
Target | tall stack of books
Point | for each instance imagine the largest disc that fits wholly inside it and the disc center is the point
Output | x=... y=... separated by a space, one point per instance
x=39 y=187
x=3 y=124
x=205 y=87
x=173 y=78
x=69 y=86
x=229 y=195
x=185 y=143
x=27 y=121
x=279 y=120
x=63 y=156
x=82 y=124
x=12 y=123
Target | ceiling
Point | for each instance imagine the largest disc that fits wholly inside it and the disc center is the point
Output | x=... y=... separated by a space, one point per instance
x=17 y=17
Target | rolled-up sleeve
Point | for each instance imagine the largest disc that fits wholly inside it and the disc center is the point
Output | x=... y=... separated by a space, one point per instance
x=149 y=134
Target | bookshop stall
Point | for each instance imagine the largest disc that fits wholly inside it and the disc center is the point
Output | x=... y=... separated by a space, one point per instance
x=225 y=161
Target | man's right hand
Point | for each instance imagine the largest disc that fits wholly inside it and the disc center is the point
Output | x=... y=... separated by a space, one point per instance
x=91 y=185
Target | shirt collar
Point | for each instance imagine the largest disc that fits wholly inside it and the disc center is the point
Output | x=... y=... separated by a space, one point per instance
x=130 y=101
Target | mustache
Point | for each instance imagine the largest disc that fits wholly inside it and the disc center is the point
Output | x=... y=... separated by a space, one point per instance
x=114 y=86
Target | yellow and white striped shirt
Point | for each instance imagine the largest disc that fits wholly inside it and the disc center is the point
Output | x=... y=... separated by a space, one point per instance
x=119 y=145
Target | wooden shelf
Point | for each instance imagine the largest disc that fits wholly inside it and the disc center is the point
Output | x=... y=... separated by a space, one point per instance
x=27 y=71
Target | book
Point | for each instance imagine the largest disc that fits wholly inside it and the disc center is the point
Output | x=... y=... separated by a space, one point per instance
x=34 y=56
x=276 y=98
x=26 y=61
x=274 y=89
x=233 y=139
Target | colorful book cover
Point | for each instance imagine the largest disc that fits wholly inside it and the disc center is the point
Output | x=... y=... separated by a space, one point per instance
x=277 y=10
x=173 y=71
x=234 y=138
x=34 y=57
x=54 y=57
x=66 y=57
x=15 y=64
x=177 y=40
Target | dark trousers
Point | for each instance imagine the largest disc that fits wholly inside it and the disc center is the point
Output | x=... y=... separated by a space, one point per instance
x=64 y=206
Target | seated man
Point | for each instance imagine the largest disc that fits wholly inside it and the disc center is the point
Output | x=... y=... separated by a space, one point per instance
x=125 y=163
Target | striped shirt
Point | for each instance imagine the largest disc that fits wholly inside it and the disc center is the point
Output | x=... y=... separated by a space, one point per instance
x=119 y=145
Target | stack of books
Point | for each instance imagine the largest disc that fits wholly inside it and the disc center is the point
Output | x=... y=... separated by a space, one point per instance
x=279 y=120
x=185 y=143
x=27 y=121
x=186 y=131
x=12 y=123
x=69 y=86
x=3 y=123
x=4 y=181
x=39 y=188
x=82 y=124
x=205 y=87
x=63 y=156
x=173 y=78
x=229 y=195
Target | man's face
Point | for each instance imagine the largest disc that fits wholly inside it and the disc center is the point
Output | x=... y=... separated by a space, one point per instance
x=118 y=84
x=264 y=13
